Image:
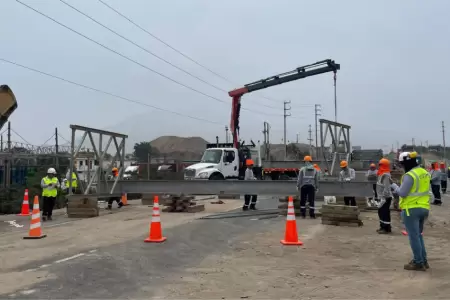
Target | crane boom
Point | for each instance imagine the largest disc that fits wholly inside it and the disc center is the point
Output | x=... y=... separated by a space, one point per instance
x=317 y=68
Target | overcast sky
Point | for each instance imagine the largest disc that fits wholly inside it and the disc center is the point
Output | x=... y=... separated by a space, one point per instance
x=394 y=83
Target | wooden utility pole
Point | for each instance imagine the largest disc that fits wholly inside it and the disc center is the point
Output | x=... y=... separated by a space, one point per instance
x=57 y=149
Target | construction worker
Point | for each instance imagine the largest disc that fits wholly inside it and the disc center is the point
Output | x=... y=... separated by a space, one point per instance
x=436 y=183
x=414 y=202
x=347 y=174
x=443 y=178
x=249 y=176
x=74 y=181
x=383 y=186
x=50 y=185
x=372 y=177
x=115 y=173
x=308 y=185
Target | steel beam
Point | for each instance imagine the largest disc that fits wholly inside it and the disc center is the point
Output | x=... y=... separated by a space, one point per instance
x=260 y=187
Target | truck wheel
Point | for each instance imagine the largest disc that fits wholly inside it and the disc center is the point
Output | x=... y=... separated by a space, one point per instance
x=216 y=177
x=284 y=177
x=267 y=177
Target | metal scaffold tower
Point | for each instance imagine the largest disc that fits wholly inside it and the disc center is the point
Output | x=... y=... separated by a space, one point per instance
x=340 y=147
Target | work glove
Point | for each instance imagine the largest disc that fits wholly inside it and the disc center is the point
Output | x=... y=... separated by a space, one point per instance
x=347 y=179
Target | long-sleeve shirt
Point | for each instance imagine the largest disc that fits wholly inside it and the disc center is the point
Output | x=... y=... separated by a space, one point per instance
x=443 y=175
x=384 y=186
x=347 y=174
x=308 y=175
x=405 y=187
x=249 y=174
x=435 y=177
x=371 y=175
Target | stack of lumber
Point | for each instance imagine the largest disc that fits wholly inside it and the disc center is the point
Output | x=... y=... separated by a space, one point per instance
x=181 y=203
x=283 y=206
x=340 y=215
x=82 y=206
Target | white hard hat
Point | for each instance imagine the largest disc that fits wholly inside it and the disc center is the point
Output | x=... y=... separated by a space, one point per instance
x=51 y=171
x=407 y=156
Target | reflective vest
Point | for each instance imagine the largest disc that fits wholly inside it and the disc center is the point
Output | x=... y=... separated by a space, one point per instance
x=50 y=191
x=418 y=196
x=74 y=181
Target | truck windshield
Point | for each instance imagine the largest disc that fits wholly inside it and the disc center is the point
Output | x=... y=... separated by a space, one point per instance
x=212 y=156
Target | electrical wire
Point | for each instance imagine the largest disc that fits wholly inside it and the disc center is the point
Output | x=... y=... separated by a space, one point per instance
x=67 y=141
x=134 y=61
x=48 y=139
x=26 y=142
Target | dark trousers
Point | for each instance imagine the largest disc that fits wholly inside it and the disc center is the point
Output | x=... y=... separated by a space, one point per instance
x=375 y=191
x=444 y=186
x=48 y=205
x=117 y=199
x=436 y=189
x=307 y=192
x=250 y=201
x=350 y=201
x=384 y=213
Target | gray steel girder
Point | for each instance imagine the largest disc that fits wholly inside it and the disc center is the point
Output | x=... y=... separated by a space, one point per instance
x=259 y=187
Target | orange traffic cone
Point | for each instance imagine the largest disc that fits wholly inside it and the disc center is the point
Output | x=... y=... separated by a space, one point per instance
x=290 y=235
x=155 y=226
x=25 y=205
x=35 y=225
x=124 y=199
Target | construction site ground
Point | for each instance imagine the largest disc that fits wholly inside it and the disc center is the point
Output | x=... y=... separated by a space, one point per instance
x=234 y=258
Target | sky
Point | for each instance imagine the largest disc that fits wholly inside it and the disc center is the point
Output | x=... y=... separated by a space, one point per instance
x=393 y=85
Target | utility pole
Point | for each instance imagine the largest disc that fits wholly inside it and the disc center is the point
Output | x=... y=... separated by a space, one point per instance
x=148 y=165
x=443 y=141
x=57 y=149
x=310 y=139
x=297 y=137
x=286 y=113
x=413 y=143
x=317 y=113
x=266 y=140
x=226 y=134
x=335 y=97
x=9 y=136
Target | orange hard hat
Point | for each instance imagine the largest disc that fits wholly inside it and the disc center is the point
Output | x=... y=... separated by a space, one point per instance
x=249 y=162
x=384 y=162
x=343 y=164
x=373 y=165
x=307 y=158
x=115 y=169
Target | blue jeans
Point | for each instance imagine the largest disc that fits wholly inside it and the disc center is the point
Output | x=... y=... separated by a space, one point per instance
x=414 y=227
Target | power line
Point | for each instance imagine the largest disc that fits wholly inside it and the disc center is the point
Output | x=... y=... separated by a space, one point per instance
x=26 y=142
x=48 y=139
x=67 y=141
x=132 y=60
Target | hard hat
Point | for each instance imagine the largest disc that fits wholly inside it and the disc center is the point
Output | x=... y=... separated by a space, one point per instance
x=384 y=162
x=51 y=171
x=249 y=162
x=344 y=164
x=115 y=169
x=307 y=158
x=404 y=156
x=316 y=165
x=372 y=165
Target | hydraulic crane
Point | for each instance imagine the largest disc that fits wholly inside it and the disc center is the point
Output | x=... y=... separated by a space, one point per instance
x=317 y=68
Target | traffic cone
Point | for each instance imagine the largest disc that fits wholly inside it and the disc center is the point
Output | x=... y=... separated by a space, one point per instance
x=25 y=205
x=290 y=235
x=35 y=224
x=155 y=226
x=124 y=199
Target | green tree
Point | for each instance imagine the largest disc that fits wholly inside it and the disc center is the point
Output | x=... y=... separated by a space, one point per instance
x=142 y=150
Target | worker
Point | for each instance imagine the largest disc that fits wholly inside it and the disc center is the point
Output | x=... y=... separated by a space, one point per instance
x=115 y=173
x=436 y=183
x=74 y=181
x=50 y=185
x=414 y=202
x=443 y=178
x=319 y=171
x=383 y=186
x=308 y=185
x=249 y=176
x=347 y=174
x=372 y=177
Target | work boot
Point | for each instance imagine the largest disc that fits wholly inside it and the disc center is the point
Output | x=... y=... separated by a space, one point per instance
x=244 y=208
x=253 y=207
x=109 y=207
x=120 y=204
x=50 y=218
x=412 y=266
x=437 y=202
x=312 y=216
x=303 y=216
x=427 y=266
x=44 y=218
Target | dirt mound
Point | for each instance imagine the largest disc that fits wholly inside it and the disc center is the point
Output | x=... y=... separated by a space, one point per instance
x=186 y=148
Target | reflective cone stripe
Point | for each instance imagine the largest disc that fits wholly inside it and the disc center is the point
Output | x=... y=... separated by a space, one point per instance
x=25 y=211
x=291 y=236
x=155 y=226
x=35 y=224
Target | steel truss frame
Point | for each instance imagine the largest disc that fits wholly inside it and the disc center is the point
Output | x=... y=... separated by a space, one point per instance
x=339 y=133
x=99 y=153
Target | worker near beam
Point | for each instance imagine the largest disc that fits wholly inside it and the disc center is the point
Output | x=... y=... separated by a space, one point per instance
x=74 y=178
x=383 y=186
x=436 y=183
x=249 y=200
x=414 y=202
x=115 y=173
x=443 y=178
x=50 y=185
x=372 y=177
x=347 y=174
x=308 y=185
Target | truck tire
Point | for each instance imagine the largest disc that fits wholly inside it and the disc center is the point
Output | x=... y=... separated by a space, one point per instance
x=216 y=176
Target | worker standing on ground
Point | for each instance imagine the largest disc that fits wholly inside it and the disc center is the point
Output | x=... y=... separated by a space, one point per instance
x=115 y=173
x=436 y=183
x=347 y=174
x=372 y=177
x=308 y=185
x=249 y=176
x=383 y=186
x=414 y=202
x=50 y=185
x=74 y=181
x=443 y=178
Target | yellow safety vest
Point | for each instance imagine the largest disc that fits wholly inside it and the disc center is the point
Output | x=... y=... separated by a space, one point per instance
x=50 y=191
x=74 y=181
x=418 y=196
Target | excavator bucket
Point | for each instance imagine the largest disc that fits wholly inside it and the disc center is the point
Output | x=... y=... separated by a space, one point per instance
x=8 y=104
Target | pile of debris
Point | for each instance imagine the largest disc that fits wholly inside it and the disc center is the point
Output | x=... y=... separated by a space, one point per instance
x=340 y=215
x=181 y=203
